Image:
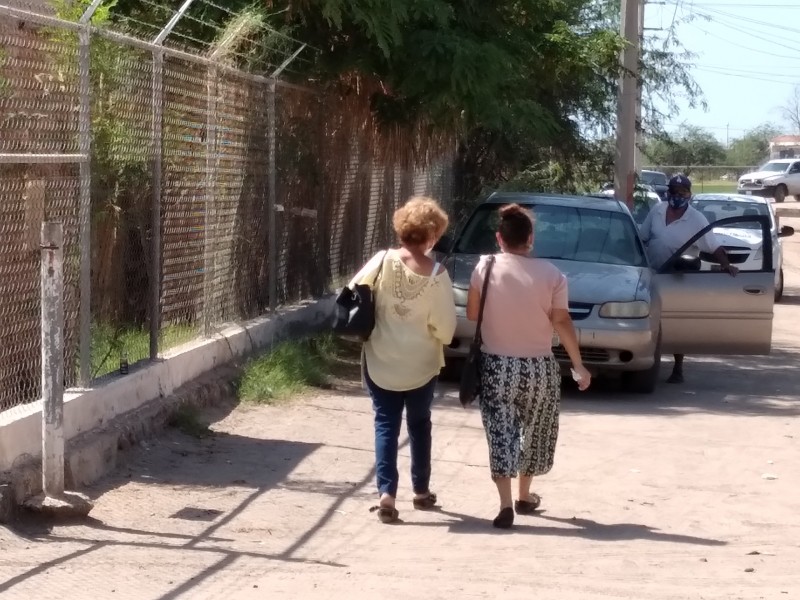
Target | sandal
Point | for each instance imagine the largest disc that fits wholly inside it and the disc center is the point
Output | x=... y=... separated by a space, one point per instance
x=528 y=507
x=386 y=514
x=426 y=502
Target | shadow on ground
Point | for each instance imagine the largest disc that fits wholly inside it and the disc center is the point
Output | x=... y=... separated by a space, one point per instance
x=737 y=385
x=544 y=525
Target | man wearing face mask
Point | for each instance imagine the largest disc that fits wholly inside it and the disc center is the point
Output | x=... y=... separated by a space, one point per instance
x=671 y=224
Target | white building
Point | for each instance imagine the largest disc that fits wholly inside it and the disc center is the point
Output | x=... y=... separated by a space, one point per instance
x=785 y=146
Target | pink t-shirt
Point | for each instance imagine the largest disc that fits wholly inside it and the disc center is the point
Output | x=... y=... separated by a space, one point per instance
x=519 y=302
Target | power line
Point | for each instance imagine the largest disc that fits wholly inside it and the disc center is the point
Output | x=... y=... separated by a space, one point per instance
x=759 y=72
x=748 y=77
x=724 y=128
x=745 y=68
x=751 y=21
x=714 y=14
x=722 y=22
x=743 y=5
x=750 y=48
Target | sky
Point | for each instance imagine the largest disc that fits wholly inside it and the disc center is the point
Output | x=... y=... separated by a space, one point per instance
x=747 y=63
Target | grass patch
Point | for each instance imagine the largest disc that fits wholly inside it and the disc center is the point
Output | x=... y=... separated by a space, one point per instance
x=714 y=187
x=291 y=368
x=109 y=343
x=187 y=420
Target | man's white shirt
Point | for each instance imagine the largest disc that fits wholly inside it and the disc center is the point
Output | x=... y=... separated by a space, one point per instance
x=663 y=240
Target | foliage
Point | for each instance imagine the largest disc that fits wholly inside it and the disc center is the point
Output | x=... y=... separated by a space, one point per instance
x=288 y=369
x=580 y=174
x=520 y=82
x=753 y=147
x=110 y=343
x=694 y=146
x=5 y=88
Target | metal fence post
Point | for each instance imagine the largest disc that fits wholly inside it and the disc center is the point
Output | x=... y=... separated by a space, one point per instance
x=271 y=208
x=158 y=124
x=273 y=169
x=155 y=225
x=52 y=275
x=209 y=229
x=85 y=211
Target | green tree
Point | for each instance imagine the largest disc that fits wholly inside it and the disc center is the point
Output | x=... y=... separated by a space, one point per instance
x=753 y=147
x=694 y=146
x=518 y=82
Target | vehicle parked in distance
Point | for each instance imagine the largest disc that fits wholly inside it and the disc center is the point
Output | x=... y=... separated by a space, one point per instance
x=742 y=241
x=777 y=179
x=656 y=180
x=625 y=313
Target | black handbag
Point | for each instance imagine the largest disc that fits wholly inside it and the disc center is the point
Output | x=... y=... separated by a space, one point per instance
x=471 y=373
x=354 y=316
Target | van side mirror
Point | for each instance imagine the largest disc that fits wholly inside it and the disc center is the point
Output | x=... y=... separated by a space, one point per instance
x=786 y=231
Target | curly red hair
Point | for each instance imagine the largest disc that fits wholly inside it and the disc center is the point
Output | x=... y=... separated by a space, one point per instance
x=420 y=221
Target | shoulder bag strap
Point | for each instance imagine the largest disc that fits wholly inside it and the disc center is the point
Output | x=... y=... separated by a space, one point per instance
x=478 y=338
x=380 y=270
x=435 y=270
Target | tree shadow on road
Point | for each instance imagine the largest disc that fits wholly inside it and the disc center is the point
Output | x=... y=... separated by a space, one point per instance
x=574 y=527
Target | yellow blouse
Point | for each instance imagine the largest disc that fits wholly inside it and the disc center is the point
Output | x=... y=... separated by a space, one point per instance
x=415 y=317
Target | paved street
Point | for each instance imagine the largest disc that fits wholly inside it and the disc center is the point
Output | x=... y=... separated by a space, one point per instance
x=690 y=493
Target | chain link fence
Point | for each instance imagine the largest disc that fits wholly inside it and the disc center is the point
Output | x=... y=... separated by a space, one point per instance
x=192 y=193
x=708 y=178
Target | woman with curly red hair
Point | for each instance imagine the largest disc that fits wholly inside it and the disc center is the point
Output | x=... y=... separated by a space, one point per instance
x=414 y=319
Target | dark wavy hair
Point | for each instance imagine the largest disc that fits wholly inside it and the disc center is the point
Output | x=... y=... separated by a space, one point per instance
x=516 y=225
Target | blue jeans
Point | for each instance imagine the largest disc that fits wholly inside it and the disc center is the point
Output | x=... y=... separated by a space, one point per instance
x=388 y=407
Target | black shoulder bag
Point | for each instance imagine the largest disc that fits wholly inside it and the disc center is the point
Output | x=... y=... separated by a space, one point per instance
x=354 y=317
x=471 y=374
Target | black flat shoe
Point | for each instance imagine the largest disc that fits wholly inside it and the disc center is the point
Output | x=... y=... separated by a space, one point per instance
x=504 y=519
x=528 y=507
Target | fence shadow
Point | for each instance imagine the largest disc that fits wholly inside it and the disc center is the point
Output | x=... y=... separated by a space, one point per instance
x=220 y=460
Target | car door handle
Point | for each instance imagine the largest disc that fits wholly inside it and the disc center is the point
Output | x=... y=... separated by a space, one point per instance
x=756 y=291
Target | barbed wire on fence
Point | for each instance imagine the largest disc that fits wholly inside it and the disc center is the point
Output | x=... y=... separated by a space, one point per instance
x=195 y=187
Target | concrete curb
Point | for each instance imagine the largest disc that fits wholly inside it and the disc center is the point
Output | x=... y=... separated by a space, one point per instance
x=103 y=422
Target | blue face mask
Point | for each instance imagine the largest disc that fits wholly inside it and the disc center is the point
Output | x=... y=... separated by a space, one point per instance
x=676 y=201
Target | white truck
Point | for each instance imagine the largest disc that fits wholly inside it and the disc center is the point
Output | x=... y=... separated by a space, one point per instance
x=776 y=179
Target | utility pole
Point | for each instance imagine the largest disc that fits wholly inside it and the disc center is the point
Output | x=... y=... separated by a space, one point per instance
x=624 y=173
x=637 y=160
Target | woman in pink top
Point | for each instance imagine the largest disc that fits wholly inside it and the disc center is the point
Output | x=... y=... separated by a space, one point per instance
x=520 y=388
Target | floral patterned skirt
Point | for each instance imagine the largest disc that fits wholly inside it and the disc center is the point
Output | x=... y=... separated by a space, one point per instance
x=519 y=402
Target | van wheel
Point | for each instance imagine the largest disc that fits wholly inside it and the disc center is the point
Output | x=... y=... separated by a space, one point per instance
x=779 y=287
x=644 y=382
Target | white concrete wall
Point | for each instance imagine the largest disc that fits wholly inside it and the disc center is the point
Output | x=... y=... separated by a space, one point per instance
x=84 y=410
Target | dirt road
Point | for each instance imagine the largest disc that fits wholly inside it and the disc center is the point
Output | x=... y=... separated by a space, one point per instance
x=690 y=493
